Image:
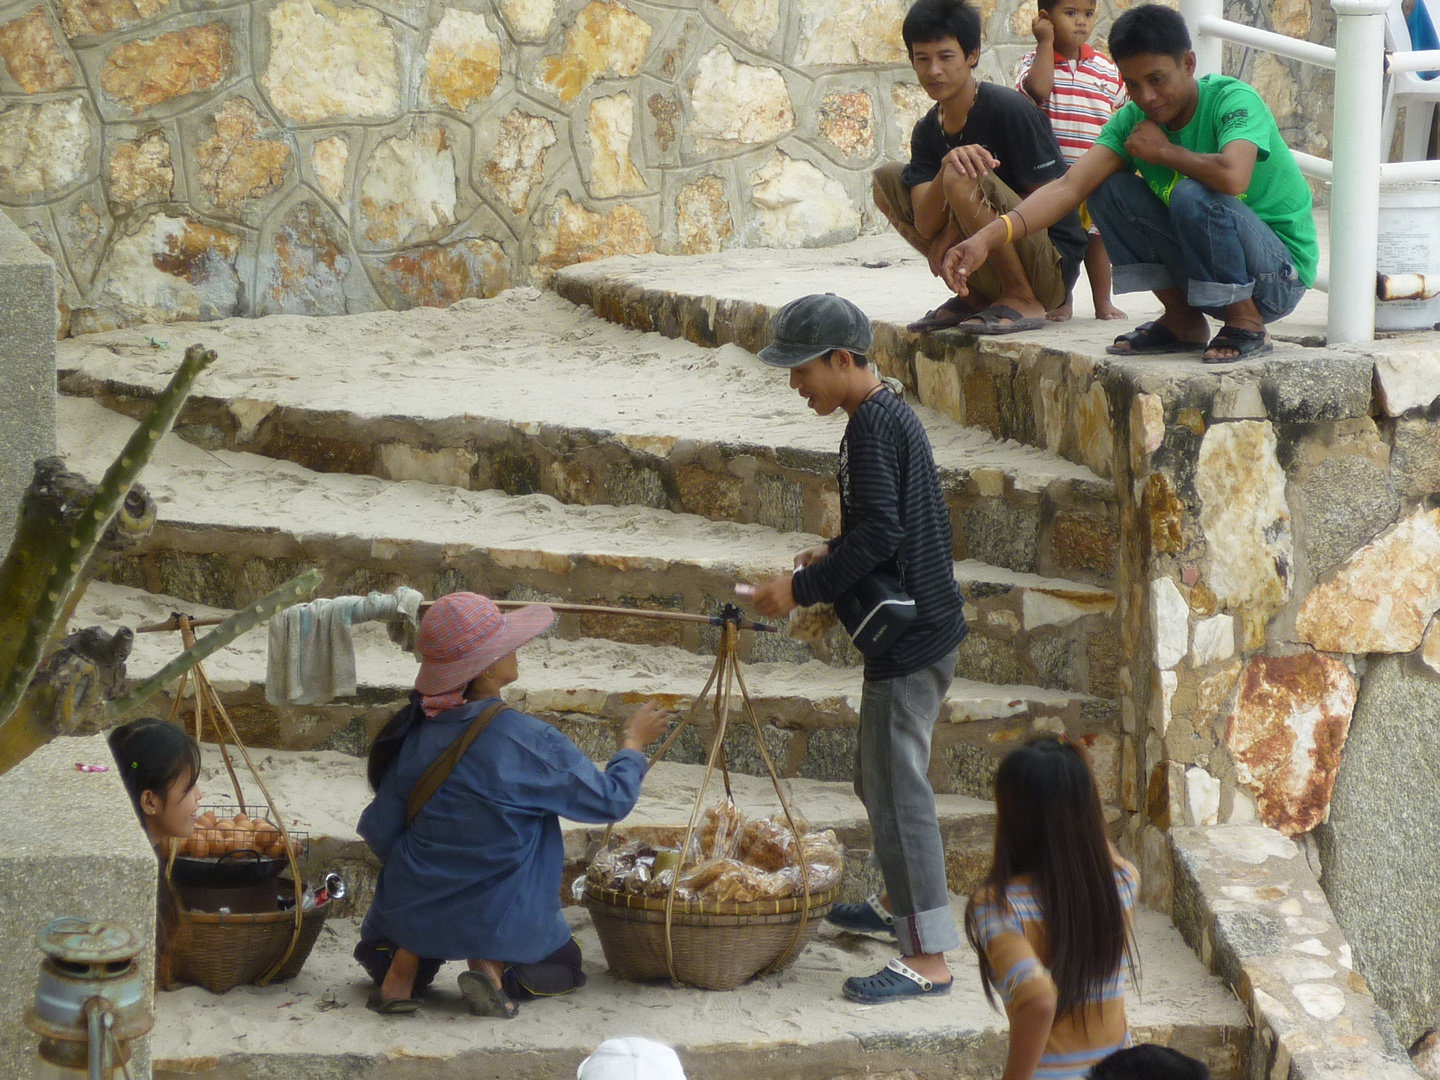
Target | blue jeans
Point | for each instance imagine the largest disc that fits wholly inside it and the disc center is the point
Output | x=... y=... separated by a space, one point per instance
x=892 y=779
x=1210 y=245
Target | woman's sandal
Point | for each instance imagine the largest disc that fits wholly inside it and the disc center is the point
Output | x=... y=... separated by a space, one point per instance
x=1151 y=338
x=868 y=917
x=485 y=998
x=393 y=1007
x=1246 y=343
x=947 y=315
x=894 y=981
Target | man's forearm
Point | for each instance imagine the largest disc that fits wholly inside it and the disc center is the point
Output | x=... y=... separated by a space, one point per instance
x=1212 y=170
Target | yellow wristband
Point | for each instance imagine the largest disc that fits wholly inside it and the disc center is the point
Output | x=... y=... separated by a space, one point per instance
x=1009 y=228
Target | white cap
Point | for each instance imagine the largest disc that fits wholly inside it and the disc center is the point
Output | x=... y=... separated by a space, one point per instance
x=631 y=1059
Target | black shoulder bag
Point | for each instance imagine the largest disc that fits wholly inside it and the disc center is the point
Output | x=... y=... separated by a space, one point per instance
x=875 y=611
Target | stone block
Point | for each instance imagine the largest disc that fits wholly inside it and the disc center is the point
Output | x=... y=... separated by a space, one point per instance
x=303 y=272
x=704 y=222
x=1286 y=734
x=847 y=122
x=1405 y=377
x=61 y=833
x=1382 y=597
x=27 y=361
x=606 y=38
x=1415 y=457
x=331 y=62
x=755 y=20
x=610 y=128
x=44 y=147
x=1346 y=500
x=851 y=32
x=829 y=754
x=568 y=233
x=1001 y=534
x=1333 y=384
x=1245 y=517
x=734 y=104
x=794 y=204
x=32 y=56
x=141 y=171
x=238 y=162
x=517 y=164
x=1378 y=847
x=1170 y=616
x=149 y=71
x=408 y=190
x=462 y=61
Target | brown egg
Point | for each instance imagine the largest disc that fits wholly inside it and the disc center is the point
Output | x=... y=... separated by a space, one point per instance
x=277 y=846
x=243 y=822
x=265 y=837
x=206 y=820
x=198 y=845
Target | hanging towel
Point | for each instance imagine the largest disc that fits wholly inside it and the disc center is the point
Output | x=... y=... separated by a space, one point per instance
x=312 y=652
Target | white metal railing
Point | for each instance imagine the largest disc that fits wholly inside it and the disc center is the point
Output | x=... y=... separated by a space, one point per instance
x=1357 y=169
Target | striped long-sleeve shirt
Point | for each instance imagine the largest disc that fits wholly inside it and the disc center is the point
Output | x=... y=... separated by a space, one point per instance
x=1013 y=937
x=892 y=516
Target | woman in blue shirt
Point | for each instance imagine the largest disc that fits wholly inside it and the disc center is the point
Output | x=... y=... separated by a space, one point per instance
x=476 y=874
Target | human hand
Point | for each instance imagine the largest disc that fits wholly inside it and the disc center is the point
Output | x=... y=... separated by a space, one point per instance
x=971 y=160
x=942 y=242
x=1043 y=29
x=961 y=261
x=775 y=598
x=645 y=725
x=811 y=554
x=1148 y=143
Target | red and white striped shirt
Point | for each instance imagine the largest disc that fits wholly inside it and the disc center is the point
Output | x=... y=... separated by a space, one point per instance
x=1087 y=91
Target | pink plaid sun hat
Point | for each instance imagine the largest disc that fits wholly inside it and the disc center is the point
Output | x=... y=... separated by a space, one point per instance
x=464 y=633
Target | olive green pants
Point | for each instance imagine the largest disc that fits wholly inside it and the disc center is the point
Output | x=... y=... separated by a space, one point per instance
x=1037 y=254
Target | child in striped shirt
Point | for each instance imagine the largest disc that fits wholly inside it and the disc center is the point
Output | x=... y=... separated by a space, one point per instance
x=1051 y=923
x=1079 y=90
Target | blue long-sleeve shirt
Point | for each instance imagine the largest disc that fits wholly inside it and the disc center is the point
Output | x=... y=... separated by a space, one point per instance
x=477 y=874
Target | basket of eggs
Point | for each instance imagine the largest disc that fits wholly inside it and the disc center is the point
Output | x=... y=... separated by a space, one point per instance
x=238 y=917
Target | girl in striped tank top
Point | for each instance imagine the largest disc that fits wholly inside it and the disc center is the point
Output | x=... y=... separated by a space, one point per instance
x=1051 y=923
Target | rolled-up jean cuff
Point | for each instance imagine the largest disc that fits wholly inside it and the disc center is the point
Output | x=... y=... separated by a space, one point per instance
x=1215 y=294
x=927 y=932
x=1140 y=277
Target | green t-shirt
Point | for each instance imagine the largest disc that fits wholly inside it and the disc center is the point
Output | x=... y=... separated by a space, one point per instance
x=1230 y=109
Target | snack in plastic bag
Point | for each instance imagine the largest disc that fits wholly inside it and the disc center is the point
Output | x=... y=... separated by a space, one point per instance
x=767 y=845
x=812 y=623
x=736 y=882
x=720 y=834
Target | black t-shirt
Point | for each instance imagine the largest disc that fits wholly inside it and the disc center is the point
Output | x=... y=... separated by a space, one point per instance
x=1015 y=131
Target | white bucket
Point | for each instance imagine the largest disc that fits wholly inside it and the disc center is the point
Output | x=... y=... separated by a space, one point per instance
x=1409 y=243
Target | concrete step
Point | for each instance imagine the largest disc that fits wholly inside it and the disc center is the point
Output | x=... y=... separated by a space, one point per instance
x=588 y=688
x=1053 y=388
x=528 y=393
x=792 y=1024
x=233 y=525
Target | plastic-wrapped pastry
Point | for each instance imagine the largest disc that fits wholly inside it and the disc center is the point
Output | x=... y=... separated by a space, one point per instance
x=736 y=882
x=699 y=878
x=812 y=623
x=720 y=834
x=767 y=845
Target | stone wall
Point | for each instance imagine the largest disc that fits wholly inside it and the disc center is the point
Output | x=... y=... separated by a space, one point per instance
x=186 y=160
x=27 y=365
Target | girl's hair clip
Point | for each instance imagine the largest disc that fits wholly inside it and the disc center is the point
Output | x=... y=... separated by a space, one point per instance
x=134 y=764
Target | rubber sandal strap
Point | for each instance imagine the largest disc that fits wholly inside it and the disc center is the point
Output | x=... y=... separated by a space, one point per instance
x=876 y=906
x=901 y=968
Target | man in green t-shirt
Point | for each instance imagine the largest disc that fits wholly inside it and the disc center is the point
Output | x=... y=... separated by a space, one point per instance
x=1196 y=194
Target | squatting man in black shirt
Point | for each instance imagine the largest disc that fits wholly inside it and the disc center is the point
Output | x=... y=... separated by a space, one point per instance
x=893 y=518
x=973 y=157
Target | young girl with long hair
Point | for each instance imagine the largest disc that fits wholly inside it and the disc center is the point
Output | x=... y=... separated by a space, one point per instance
x=160 y=766
x=1051 y=923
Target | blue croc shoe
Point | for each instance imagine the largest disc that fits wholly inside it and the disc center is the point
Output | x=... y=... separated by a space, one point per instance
x=894 y=981
x=867 y=918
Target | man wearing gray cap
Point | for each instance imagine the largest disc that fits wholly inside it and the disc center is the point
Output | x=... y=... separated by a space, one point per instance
x=893 y=522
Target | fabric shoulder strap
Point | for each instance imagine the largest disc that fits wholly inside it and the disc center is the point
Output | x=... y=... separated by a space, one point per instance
x=441 y=768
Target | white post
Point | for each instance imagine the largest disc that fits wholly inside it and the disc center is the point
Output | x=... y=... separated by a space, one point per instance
x=1355 y=188
x=1209 y=51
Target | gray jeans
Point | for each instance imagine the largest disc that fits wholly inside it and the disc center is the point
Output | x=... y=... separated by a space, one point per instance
x=892 y=763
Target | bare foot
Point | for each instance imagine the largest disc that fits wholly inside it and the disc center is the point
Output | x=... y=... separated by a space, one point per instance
x=1105 y=310
x=1063 y=312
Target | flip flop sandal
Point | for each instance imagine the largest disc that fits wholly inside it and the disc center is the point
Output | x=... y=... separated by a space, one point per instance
x=869 y=917
x=1150 y=338
x=1246 y=343
x=944 y=317
x=394 y=1007
x=896 y=980
x=990 y=324
x=484 y=998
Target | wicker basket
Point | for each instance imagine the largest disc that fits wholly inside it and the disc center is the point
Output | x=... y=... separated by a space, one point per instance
x=717 y=946
x=223 y=951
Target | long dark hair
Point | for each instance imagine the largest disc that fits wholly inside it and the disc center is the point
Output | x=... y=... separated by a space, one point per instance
x=386 y=747
x=152 y=754
x=1049 y=826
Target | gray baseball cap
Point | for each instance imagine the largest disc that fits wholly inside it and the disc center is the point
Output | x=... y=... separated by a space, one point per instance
x=812 y=326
